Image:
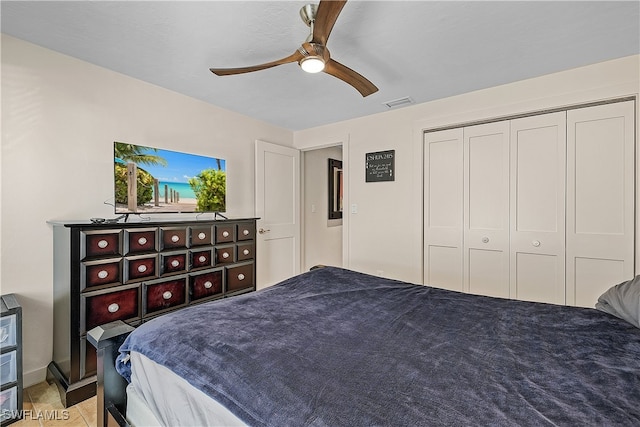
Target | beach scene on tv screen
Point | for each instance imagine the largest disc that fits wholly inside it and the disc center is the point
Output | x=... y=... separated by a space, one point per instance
x=153 y=180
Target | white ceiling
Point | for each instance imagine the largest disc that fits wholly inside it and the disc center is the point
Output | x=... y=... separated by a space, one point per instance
x=420 y=49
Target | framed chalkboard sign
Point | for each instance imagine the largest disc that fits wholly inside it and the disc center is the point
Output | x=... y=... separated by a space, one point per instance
x=380 y=166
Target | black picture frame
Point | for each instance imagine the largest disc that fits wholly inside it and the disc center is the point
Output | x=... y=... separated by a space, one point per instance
x=335 y=184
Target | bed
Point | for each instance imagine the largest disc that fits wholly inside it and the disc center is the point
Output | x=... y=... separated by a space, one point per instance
x=334 y=347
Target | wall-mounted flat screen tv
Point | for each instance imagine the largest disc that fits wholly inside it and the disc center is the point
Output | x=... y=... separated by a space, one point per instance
x=152 y=180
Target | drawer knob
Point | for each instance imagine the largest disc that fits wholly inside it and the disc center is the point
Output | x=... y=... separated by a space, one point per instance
x=202 y=258
x=175 y=238
x=240 y=276
x=103 y=244
x=245 y=232
x=485 y=240
x=536 y=243
x=175 y=263
x=142 y=268
x=202 y=236
x=167 y=295
x=103 y=274
x=208 y=284
x=225 y=234
x=142 y=241
x=113 y=308
x=225 y=254
x=246 y=252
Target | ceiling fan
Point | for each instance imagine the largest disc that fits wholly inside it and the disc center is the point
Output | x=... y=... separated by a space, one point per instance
x=313 y=56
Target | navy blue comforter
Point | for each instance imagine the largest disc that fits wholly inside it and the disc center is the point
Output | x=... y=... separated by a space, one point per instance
x=333 y=347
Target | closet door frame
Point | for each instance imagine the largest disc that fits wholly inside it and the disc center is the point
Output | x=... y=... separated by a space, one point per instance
x=633 y=156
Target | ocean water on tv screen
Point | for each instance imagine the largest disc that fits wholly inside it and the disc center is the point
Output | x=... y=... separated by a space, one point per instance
x=182 y=188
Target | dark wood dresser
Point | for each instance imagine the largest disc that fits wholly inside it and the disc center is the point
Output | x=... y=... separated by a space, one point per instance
x=134 y=272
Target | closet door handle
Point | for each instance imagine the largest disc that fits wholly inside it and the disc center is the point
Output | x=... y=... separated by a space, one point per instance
x=485 y=240
x=536 y=243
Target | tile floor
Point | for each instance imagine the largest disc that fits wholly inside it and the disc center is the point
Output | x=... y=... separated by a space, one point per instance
x=42 y=408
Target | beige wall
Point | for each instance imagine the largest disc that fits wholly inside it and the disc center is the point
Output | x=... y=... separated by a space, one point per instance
x=60 y=117
x=322 y=236
x=384 y=237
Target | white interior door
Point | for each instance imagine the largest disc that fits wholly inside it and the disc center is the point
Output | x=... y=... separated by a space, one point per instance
x=600 y=202
x=486 y=209
x=538 y=170
x=443 y=190
x=278 y=213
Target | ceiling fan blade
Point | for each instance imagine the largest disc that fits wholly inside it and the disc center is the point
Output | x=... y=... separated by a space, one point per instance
x=347 y=75
x=295 y=57
x=326 y=15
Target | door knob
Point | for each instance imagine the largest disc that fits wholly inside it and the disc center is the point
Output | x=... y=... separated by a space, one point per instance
x=262 y=231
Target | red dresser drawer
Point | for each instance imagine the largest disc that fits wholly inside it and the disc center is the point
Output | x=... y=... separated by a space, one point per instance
x=245 y=251
x=165 y=294
x=224 y=233
x=246 y=231
x=205 y=285
x=201 y=259
x=201 y=236
x=139 y=241
x=105 y=308
x=173 y=238
x=140 y=268
x=100 y=244
x=240 y=277
x=103 y=273
x=173 y=263
x=225 y=254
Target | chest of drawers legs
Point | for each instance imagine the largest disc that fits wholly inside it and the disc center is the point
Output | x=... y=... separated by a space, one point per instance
x=134 y=272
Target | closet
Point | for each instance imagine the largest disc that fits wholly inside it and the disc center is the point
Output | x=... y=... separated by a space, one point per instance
x=537 y=208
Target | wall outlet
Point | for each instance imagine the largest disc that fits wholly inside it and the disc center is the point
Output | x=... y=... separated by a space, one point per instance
x=354 y=208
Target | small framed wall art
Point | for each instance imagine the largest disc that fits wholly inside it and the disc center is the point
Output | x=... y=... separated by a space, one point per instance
x=379 y=166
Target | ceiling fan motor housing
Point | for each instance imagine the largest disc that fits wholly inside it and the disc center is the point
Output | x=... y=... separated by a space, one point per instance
x=308 y=13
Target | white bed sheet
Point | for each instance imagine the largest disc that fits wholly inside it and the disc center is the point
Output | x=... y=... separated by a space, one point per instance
x=160 y=397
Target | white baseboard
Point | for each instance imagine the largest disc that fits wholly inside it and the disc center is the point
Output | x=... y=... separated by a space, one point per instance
x=34 y=377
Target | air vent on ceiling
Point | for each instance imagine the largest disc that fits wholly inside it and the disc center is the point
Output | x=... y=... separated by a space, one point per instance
x=400 y=102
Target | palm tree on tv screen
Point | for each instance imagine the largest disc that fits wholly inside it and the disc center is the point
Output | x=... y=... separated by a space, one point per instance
x=136 y=154
x=131 y=153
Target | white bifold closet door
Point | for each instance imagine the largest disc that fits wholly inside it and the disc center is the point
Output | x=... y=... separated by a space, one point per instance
x=538 y=208
x=538 y=169
x=600 y=200
x=486 y=209
x=443 y=209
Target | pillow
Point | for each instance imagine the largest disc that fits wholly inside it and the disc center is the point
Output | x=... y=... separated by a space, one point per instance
x=623 y=301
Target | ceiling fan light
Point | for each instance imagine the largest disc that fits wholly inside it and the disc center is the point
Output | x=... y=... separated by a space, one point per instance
x=312 y=64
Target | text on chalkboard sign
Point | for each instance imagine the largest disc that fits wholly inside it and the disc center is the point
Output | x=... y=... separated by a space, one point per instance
x=380 y=166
